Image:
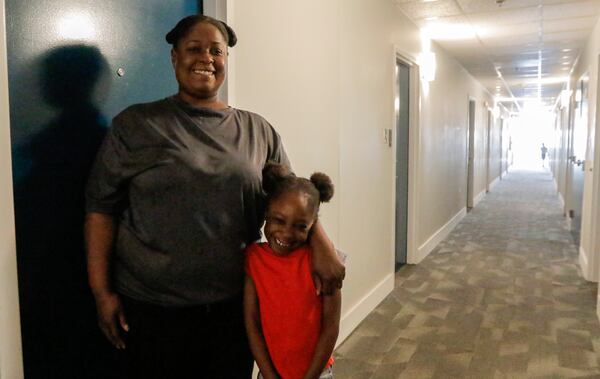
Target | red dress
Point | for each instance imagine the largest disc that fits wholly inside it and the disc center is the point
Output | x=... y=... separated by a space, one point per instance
x=290 y=310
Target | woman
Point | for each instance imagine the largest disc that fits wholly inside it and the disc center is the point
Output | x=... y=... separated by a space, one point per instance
x=172 y=201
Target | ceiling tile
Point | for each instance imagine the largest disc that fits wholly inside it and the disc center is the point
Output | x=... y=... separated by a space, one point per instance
x=506 y=17
x=575 y=35
x=569 y=24
x=474 y=6
x=508 y=37
x=508 y=42
x=440 y=8
x=508 y=31
x=449 y=20
x=568 y=10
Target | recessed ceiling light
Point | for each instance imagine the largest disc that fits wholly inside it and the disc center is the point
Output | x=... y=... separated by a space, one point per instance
x=566 y=57
x=566 y=63
x=565 y=50
x=431 y=18
x=429 y=1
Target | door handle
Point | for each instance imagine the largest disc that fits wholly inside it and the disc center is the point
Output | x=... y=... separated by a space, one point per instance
x=579 y=162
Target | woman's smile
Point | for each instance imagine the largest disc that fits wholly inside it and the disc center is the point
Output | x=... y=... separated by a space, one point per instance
x=203 y=72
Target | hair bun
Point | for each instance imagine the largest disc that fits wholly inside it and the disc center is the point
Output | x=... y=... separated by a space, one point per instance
x=272 y=174
x=231 y=37
x=324 y=185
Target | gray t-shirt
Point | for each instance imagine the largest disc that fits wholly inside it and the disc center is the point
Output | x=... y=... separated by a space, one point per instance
x=185 y=186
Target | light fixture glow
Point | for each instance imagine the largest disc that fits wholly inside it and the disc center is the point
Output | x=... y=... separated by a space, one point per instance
x=76 y=26
x=426 y=59
x=548 y=80
x=427 y=65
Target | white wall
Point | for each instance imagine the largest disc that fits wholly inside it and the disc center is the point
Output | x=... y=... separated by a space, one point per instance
x=11 y=366
x=443 y=150
x=322 y=73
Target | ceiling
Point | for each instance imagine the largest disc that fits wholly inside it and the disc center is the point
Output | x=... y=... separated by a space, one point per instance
x=517 y=49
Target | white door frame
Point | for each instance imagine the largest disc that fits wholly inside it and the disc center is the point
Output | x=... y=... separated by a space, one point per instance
x=488 y=138
x=593 y=239
x=11 y=353
x=414 y=137
x=595 y=208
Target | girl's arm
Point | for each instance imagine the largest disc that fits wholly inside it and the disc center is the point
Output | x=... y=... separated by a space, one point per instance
x=330 y=326
x=327 y=270
x=256 y=338
x=100 y=231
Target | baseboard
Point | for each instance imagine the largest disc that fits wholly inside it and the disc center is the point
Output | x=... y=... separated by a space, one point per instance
x=598 y=306
x=478 y=198
x=439 y=236
x=583 y=263
x=360 y=310
x=494 y=182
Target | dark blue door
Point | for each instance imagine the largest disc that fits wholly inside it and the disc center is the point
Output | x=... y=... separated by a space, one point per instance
x=73 y=65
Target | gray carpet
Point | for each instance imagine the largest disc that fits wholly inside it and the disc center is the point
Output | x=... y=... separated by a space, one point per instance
x=501 y=297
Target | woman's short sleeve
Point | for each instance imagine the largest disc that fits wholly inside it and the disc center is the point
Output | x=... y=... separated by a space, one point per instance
x=277 y=151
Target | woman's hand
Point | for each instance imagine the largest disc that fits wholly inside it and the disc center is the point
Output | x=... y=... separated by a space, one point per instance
x=100 y=232
x=328 y=272
x=111 y=318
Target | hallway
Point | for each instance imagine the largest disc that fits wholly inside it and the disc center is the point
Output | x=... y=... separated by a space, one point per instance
x=501 y=297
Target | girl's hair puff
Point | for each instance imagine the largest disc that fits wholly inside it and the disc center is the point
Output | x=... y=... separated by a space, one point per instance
x=324 y=185
x=279 y=179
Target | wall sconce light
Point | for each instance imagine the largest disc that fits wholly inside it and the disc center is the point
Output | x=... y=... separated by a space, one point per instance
x=427 y=66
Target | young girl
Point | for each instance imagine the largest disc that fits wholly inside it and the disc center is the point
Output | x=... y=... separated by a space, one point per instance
x=291 y=330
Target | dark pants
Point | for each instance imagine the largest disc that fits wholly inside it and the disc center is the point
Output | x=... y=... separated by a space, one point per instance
x=194 y=342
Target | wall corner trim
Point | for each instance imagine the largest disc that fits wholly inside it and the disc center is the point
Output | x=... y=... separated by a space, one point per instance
x=360 y=310
x=437 y=237
x=585 y=267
